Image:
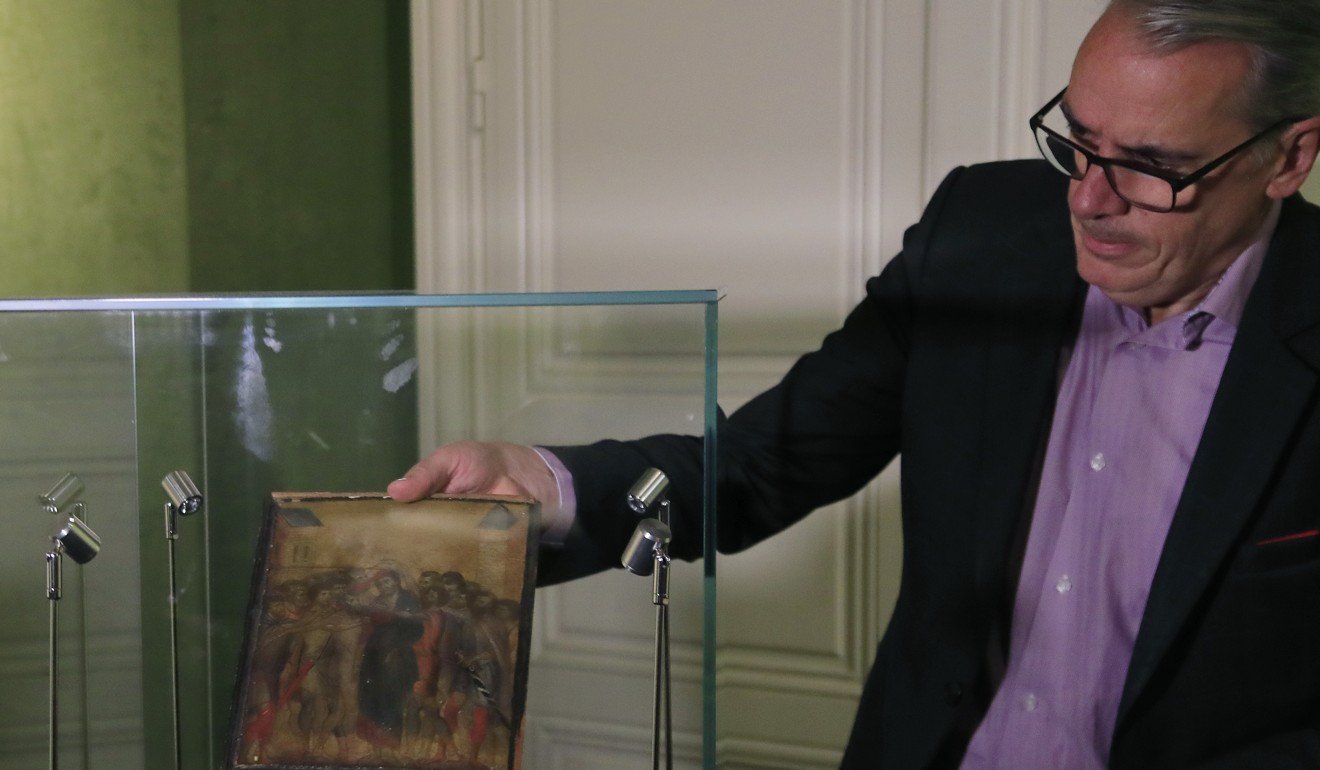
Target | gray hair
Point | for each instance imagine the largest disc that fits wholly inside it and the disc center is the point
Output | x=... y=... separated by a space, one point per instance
x=1282 y=35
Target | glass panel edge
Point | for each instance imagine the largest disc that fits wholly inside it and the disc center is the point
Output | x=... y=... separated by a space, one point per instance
x=315 y=301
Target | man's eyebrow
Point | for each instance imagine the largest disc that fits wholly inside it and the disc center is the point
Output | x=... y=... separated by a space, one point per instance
x=1073 y=123
x=1150 y=152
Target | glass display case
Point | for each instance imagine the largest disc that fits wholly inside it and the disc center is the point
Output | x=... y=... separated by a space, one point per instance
x=254 y=394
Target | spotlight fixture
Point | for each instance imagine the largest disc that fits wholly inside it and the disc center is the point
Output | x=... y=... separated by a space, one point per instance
x=647 y=553
x=639 y=556
x=64 y=493
x=183 y=493
x=185 y=499
x=647 y=490
x=77 y=540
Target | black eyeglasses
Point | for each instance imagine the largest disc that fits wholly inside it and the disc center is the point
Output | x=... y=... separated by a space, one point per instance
x=1137 y=183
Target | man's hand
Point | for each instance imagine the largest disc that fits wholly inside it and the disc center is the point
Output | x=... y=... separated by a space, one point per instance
x=475 y=467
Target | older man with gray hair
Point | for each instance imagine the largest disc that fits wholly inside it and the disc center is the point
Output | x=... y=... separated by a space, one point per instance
x=1105 y=386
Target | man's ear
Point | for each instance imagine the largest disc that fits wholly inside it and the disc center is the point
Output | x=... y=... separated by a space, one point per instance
x=1300 y=141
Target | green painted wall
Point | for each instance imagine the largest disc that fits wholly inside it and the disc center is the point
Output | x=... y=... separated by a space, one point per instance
x=92 y=188
x=162 y=146
x=204 y=145
x=298 y=144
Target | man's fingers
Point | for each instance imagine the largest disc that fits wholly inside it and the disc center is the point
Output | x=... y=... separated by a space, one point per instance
x=407 y=489
x=427 y=477
x=472 y=467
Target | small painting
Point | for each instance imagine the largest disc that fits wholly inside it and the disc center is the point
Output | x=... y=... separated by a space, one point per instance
x=387 y=635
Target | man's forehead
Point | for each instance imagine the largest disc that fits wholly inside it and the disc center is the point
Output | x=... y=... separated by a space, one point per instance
x=1133 y=95
x=1149 y=138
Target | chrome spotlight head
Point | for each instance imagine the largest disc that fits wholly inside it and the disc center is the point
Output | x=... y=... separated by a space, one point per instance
x=183 y=493
x=648 y=489
x=78 y=540
x=64 y=493
x=639 y=556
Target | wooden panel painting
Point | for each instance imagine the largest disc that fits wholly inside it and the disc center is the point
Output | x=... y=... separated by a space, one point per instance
x=387 y=635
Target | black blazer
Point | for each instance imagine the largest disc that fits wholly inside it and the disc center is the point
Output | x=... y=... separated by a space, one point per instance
x=952 y=359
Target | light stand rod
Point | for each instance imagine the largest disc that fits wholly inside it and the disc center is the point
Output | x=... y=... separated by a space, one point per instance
x=185 y=499
x=75 y=538
x=172 y=535
x=54 y=588
x=651 y=538
x=663 y=699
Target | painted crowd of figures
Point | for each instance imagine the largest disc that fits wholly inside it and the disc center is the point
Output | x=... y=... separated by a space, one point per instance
x=355 y=667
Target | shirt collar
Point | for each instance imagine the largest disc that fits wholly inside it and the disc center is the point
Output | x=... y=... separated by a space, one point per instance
x=1229 y=296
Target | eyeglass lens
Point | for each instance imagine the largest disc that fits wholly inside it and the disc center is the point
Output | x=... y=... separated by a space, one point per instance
x=1131 y=185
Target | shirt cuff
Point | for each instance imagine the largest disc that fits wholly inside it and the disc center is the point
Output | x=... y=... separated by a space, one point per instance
x=557 y=519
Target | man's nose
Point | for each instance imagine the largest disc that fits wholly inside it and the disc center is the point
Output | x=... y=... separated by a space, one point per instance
x=1093 y=195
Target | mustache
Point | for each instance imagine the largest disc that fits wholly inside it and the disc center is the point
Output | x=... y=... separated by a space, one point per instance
x=1101 y=230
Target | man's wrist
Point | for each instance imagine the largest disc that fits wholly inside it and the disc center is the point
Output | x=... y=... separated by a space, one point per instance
x=557 y=515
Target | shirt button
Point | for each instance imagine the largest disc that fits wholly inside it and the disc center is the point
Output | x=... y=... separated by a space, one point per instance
x=1064 y=585
x=1030 y=702
x=1098 y=462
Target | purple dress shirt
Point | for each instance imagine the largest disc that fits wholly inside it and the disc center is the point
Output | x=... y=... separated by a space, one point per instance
x=1129 y=415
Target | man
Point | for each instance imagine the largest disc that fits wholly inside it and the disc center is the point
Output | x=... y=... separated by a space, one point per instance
x=1111 y=486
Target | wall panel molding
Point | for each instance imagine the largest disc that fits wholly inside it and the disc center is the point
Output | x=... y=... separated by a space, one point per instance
x=563 y=744
x=771 y=755
x=604 y=647
x=1021 y=62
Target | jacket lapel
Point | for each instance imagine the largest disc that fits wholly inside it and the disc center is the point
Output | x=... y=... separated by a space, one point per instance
x=1267 y=383
x=1021 y=384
